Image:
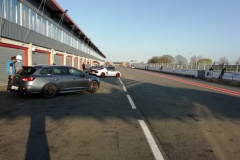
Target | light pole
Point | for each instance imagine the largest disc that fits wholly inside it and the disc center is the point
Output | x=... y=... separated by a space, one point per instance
x=188 y=59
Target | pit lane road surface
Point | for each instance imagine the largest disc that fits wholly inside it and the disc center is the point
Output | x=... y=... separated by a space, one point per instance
x=190 y=118
x=187 y=118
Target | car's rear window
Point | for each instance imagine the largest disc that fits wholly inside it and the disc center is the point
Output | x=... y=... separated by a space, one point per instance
x=27 y=71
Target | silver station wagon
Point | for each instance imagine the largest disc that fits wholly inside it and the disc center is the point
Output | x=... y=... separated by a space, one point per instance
x=49 y=80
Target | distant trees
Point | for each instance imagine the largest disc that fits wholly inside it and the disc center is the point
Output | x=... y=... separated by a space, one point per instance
x=161 y=59
x=154 y=60
x=180 y=60
x=223 y=61
x=195 y=60
x=199 y=59
x=205 y=61
x=166 y=59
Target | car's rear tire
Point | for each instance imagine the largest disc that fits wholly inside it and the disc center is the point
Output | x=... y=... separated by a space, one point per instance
x=93 y=87
x=49 y=90
x=102 y=74
x=118 y=75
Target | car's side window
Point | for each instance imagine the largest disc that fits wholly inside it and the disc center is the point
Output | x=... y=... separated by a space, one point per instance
x=46 y=71
x=73 y=71
x=110 y=69
x=59 y=71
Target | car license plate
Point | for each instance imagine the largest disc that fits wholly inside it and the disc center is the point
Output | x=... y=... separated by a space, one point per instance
x=14 y=87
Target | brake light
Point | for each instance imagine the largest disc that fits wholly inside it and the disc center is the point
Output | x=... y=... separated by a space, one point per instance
x=28 y=79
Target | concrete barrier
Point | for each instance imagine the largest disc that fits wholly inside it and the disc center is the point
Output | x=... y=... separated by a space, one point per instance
x=229 y=76
x=209 y=74
x=236 y=76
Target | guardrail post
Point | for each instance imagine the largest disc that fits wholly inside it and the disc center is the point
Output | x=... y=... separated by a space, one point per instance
x=237 y=67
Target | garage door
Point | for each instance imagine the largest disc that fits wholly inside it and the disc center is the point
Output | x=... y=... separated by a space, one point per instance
x=58 y=59
x=39 y=58
x=69 y=61
x=6 y=54
x=76 y=62
x=81 y=62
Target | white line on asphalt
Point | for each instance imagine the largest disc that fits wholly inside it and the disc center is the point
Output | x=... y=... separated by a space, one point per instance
x=156 y=152
x=120 y=81
x=131 y=102
x=124 y=88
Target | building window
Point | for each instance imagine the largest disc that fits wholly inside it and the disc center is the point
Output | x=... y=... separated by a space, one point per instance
x=3 y=8
x=59 y=35
x=49 y=29
x=25 y=18
x=38 y=23
x=17 y=12
x=33 y=21
x=8 y=10
x=62 y=36
x=44 y=26
x=53 y=31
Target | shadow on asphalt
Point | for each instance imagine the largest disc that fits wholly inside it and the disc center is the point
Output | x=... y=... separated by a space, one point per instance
x=156 y=104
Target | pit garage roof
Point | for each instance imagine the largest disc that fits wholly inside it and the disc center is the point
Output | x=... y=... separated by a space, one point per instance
x=58 y=11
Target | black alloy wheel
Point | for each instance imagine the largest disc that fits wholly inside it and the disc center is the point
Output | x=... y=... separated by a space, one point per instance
x=93 y=87
x=49 y=90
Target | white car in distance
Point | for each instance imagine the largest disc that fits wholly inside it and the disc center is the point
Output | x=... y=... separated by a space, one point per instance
x=105 y=72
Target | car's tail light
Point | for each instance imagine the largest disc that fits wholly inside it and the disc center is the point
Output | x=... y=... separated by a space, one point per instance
x=28 y=79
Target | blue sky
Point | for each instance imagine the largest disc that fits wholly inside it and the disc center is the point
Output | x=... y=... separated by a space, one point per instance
x=140 y=29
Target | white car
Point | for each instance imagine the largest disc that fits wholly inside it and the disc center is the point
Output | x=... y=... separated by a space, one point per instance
x=103 y=72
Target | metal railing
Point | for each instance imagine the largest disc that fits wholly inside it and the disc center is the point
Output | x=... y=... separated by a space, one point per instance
x=228 y=75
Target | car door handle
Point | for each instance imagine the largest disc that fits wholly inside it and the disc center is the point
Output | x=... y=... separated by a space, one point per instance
x=73 y=79
x=56 y=79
